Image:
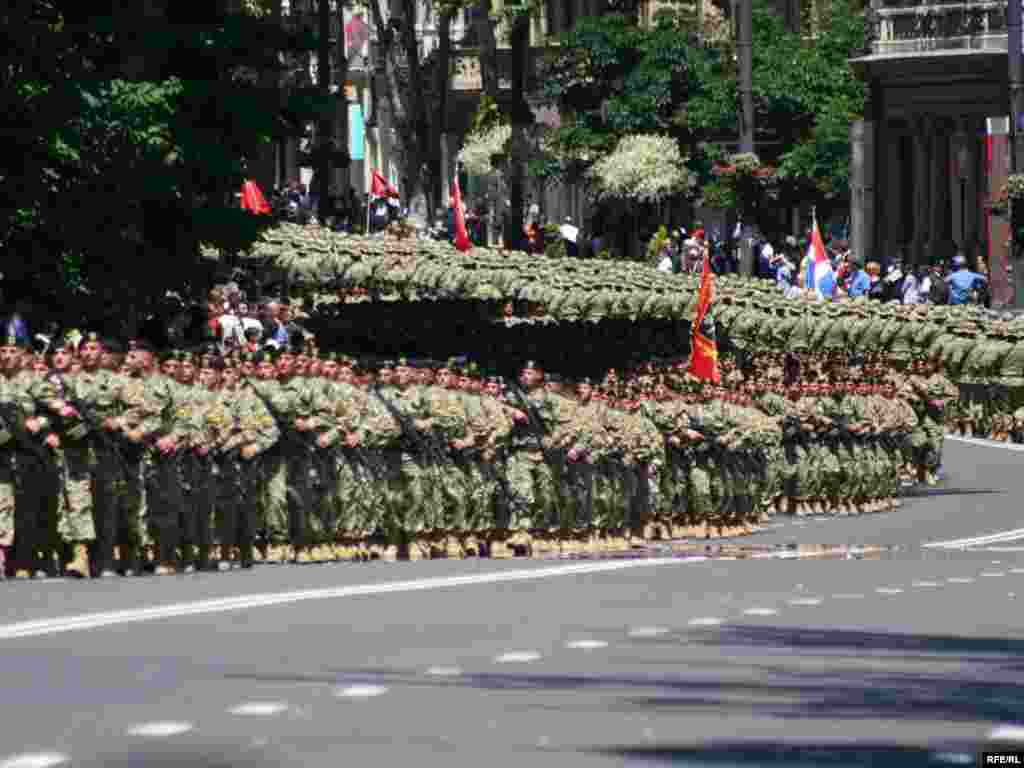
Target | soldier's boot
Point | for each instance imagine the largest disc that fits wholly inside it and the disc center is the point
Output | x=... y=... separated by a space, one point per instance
x=130 y=560
x=784 y=506
x=43 y=564
x=302 y=556
x=246 y=553
x=187 y=561
x=969 y=427
x=223 y=555
x=3 y=563
x=78 y=564
x=202 y=558
x=922 y=474
x=817 y=506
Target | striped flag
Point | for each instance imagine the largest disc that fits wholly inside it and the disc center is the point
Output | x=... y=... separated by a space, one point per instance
x=819 y=275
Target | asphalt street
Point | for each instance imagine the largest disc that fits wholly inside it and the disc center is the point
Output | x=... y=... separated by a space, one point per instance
x=903 y=646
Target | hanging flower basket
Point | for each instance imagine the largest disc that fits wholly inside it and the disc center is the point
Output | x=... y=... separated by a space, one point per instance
x=1014 y=188
x=1000 y=205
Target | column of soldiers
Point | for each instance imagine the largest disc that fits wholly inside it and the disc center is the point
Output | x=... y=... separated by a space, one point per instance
x=982 y=352
x=112 y=461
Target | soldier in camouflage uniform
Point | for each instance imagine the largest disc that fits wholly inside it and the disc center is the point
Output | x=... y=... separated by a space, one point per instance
x=76 y=462
x=243 y=431
x=530 y=483
x=37 y=489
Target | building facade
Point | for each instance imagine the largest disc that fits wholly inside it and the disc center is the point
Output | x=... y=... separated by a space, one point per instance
x=931 y=154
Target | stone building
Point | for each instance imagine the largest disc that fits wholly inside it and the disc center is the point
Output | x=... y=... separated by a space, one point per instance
x=932 y=150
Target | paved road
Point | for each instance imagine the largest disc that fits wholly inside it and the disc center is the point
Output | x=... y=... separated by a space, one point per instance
x=912 y=655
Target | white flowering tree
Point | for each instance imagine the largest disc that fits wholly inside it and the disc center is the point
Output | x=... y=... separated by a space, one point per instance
x=643 y=168
x=480 y=147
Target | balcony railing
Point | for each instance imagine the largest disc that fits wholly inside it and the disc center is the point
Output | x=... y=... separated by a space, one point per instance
x=901 y=28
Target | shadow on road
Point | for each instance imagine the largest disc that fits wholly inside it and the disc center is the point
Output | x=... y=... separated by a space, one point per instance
x=928 y=493
x=778 y=755
x=773 y=672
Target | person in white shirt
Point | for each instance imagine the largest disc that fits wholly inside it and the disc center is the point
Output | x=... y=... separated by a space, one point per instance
x=248 y=315
x=232 y=335
x=665 y=265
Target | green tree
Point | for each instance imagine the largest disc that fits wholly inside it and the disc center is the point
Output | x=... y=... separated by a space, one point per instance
x=613 y=78
x=131 y=134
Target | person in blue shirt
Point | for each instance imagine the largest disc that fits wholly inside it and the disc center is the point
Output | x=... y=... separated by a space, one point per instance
x=860 y=284
x=962 y=281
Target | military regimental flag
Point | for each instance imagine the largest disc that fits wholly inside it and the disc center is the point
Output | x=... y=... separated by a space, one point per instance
x=462 y=241
x=381 y=187
x=703 y=344
x=253 y=199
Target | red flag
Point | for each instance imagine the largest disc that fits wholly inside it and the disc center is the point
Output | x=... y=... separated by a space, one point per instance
x=704 y=346
x=252 y=199
x=381 y=187
x=462 y=241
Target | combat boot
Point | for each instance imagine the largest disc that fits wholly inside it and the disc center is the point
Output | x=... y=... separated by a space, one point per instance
x=246 y=554
x=78 y=563
x=223 y=558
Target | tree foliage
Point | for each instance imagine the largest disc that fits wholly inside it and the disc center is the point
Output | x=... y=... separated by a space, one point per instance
x=679 y=78
x=130 y=135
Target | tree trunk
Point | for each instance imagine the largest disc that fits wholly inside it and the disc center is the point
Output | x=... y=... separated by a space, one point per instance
x=522 y=118
x=436 y=155
x=325 y=122
x=484 y=28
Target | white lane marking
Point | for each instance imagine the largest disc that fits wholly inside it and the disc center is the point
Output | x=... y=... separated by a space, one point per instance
x=960 y=580
x=705 y=621
x=263 y=600
x=1017 y=570
x=986 y=443
x=259 y=708
x=848 y=596
x=999 y=550
x=991 y=574
x=999 y=537
x=760 y=612
x=1007 y=733
x=647 y=631
x=925 y=584
x=160 y=730
x=517 y=657
x=805 y=601
x=444 y=671
x=997 y=562
x=360 y=691
x=586 y=645
x=35 y=760
x=888 y=590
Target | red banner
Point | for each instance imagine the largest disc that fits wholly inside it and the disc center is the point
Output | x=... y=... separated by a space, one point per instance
x=704 y=346
x=252 y=199
x=381 y=187
x=462 y=241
